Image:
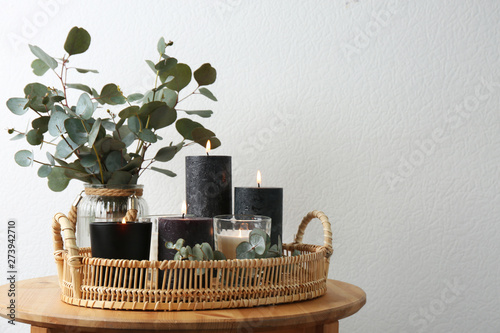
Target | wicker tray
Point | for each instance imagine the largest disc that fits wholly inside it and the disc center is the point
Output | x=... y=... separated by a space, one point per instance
x=190 y=285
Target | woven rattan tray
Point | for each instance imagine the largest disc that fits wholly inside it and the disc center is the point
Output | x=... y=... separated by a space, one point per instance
x=190 y=285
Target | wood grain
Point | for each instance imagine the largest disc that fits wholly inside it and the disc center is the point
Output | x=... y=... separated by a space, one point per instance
x=38 y=304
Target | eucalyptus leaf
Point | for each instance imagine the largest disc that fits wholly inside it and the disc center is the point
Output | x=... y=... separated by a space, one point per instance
x=35 y=90
x=169 y=245
x=84 y=107
x=152 y=66
x=135 y=97
x=205 y=75
x=164 y=171
x=134 y=124
x=58 y=181
x=182 y=76
x=258 y=242
x=165 y=65
x=207 y=93
x=197 y=252
x=207 y=251
x=83 y=71
x=186 y=126
x=88 y=161
x=94 y=131
x=201 y=113
x=78 y=41
x=44 y=171
x=17 y=105
x=39 y=67
x=80 y=87
x=24 y=158
x=56 y=123
x=148 y=108
x=162 y=117
x=245 y=251
x=165 y=154
x=114 y=161
x=169 y=97
x=161 y=46
x=179 y=244
x=63 y=150
x=218 y=255
x=135 y=163
x=119 y=178
x=108 y=124
x=40 y=54
x=76 y=130
x=17 y=137
x=202 y=135
x=147 y=135
x=111 y=95
x=34 y=137
x=129 y=112
x=50 y=158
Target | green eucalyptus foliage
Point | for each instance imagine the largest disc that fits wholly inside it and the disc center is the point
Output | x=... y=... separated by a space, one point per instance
x=88 y=142
x=259 y=246
x=196 y=253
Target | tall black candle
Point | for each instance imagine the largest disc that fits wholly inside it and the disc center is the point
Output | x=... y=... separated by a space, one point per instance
x=266 y=201
x=208 y=185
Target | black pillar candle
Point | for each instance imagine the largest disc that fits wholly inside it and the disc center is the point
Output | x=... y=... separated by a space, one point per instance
x=117 y=240
x=194 y=230
x=266 y=201
x=208 y=185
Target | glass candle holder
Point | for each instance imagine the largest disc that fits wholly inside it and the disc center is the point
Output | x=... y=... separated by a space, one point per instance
x=117 y=240
x=231 y=230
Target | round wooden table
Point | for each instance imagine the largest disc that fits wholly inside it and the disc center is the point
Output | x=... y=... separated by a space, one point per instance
x=38 y=304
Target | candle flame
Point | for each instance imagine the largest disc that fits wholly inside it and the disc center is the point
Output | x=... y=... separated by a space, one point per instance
x=124 y=220
x=259 y=178
x=184 y=208
x=208 y=147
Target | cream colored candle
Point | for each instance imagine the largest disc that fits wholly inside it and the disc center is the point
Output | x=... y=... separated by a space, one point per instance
x=228 y=241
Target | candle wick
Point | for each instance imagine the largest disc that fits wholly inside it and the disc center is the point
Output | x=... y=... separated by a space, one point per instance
x=183 y=215
x=258 y=184
x=207 y=153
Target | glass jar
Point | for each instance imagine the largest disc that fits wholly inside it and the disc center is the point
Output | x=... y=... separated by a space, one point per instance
x=106 y=203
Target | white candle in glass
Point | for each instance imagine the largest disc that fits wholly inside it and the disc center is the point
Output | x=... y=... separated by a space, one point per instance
x=228 y=241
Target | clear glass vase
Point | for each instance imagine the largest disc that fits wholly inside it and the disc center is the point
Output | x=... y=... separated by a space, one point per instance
x=99 y=205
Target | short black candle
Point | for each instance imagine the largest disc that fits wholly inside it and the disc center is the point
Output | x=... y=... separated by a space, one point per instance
x=116 y=240
x=266 y=201
x=194 y=230
x=208 y=185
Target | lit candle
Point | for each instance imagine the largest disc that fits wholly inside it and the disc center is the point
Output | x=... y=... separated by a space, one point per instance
x=208 y=184
x=231 y=230
x=194 y=230
x=120 y=240
x=267 y=201
x=228 y=241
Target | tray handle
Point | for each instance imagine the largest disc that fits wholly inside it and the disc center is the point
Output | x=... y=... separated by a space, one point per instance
x=64 y=238
x=327 y=230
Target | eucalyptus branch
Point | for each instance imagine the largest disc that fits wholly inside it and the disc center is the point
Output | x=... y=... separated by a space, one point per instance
x=194 y=91
x=108 y=140
x=47 y=142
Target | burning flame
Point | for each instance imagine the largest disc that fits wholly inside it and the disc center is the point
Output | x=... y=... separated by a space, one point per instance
x=184 y=208
x=259 y=178
x=124 y=220
x=208 y=146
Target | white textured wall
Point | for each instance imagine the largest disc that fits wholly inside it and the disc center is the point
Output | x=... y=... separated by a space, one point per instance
x=384 y=115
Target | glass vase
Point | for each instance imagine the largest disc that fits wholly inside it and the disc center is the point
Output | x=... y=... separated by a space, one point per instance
x=106 y=203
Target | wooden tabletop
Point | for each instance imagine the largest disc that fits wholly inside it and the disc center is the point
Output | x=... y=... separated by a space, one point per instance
x=38 y=304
